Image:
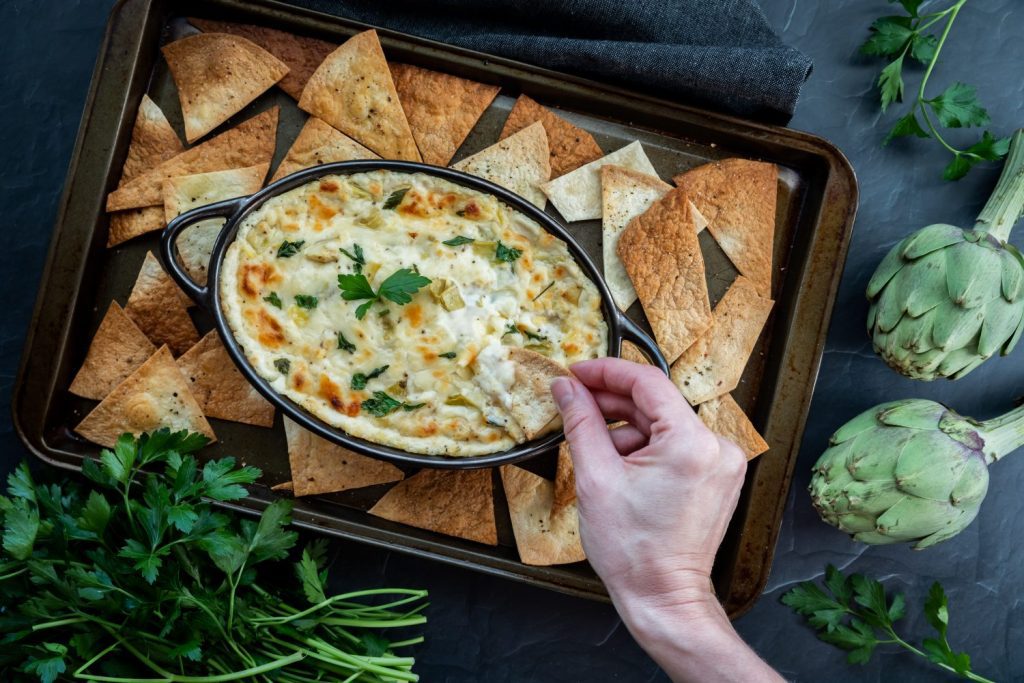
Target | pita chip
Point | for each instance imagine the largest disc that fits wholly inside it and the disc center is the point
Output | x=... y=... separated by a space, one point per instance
x=217 y=75
x=441 y=108
x=660 y=252
x=531 y=404
x=117 y=350
x=565 y=479
x=218 y=386
x=124 y=225
x=625 y=194
x=301 y=54
x=518 y=163
x=286 y=486
x=154 y=396
x=183 y=193
x=158 y=307
x=250 y=143
x=457 y=503
x=319 y=466
x=352 y=90
x=570 y=146
x=737 y=199
x=543 y=535
x=725 y=418
x=713 y=365
x=577 y=195
x=632 y=352
x=317 y=144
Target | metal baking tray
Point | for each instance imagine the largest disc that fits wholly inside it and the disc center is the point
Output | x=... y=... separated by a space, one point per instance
x=817 y=202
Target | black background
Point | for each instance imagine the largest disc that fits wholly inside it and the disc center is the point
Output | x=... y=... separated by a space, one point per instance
x=488 y=629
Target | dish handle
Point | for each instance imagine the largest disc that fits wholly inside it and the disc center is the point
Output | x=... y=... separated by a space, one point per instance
x=632 y=332
x=169 y=237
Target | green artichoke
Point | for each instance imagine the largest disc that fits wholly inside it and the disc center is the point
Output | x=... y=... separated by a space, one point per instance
x=944 y=300
x=910 y=471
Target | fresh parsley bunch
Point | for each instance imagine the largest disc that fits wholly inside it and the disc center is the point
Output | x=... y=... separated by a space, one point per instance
x=139 y=579
x=903 y=37
x=856 y=615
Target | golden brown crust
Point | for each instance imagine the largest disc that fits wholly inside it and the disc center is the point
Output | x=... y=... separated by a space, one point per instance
x=153 y=141
x=565 y=479
x=157 y=307
x=569 y=146
x=724 y=417
x=532 y=405
x=218 y=386
x=118 y=349
x=318 y=143
x=319 y=466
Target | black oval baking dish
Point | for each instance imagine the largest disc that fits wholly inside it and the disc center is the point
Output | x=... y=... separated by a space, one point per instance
x=235 y=210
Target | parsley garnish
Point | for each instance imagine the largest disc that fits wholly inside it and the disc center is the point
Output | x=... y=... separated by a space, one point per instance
x=345 y=344
x=512 y=328
x=506 y=254
x=289 y=249
x=306 y=301
x=398 y=288
x=550 y=285
x=447 y=354
x=283 y=365
x=360 y=261
x=381 y=404
x=395 y=198
x=273 y=299
x=458 y=241
x=359 y=379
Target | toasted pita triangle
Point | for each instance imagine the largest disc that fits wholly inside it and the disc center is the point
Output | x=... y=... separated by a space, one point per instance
x=565 y=479
x=117 y=350
x=319 y=466
x=632 y=352
x=217 y=75
x=454 y=502
x=532 y=405
x=441 y=108
x=153 y=141
x=625 y=194
x=218 y=386
x=724 y=417
x=183 y=193
x=248 y=144
x=663 y=259
x=318 y=143
x=124 y=225
x=737 y=198
x=570 y=146
x=543 y=536
x=352 y=90
x=713 y=365
x=156 y=395
x=577 y=195
x=518 y=163
x=301 y=54
x=158 y=307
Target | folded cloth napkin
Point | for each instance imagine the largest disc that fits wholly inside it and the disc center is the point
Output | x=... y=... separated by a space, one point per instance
x=719 y=54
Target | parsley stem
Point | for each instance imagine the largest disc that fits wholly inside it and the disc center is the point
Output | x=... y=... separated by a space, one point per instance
x=58 y=623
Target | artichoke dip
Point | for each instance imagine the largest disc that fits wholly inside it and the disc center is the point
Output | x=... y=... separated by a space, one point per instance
x=386 y=304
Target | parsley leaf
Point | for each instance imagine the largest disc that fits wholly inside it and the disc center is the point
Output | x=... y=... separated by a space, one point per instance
x=513 y=328
x=289 y=249
x=958 y=107
x=907 y=125
x=273 y=299
x=401 y=285
x=306 y=301
x=283 y=365
x=381 y=404
x=447 y=354
x=890 y=83
x=345 y=344
x=395 y=198
x=359 y=379
x=458 y=241
x=506 y=254
x=889 y=37
x=357 y=257
x=354 y=287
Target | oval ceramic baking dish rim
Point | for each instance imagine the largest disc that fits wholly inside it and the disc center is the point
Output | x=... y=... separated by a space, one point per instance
x=620 y=327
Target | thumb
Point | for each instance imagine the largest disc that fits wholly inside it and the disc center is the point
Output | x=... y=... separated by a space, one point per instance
x=594 y=456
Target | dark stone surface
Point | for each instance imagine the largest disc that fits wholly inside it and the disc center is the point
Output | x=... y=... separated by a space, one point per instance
x=487 y=629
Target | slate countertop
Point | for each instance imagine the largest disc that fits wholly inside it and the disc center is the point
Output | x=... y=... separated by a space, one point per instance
x=483 y=628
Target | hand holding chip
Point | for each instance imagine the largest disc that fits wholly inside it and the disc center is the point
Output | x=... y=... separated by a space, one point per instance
x=655 y=499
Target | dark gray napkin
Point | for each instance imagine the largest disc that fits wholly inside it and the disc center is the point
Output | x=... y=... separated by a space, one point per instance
x=719 y=54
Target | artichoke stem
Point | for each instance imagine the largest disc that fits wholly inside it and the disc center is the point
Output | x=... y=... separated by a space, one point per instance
x=1006 y=204
x=1003 y=434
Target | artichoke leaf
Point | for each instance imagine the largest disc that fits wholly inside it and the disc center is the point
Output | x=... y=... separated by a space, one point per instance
x=911 y=413
x=913 y=518
x=875 y=538
x=1012 y=273
x=890 y=308
x=973 y=274
x=952 y=529
x=1001 y=322
x=886 y=270
x=923 y=288
x=855 y=523
x=876 y=453
x=930 y=239
x=863 y=422
x=955 y=327
x=929 y=467
x=1014 y=339
x=958 y=363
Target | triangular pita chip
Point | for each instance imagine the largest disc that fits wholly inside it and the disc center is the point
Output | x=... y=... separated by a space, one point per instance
x=301 y=53
x=124 y=225
x=218 y=386
x=724 y=417
x=248 y=144
x=286 y=486
x=454 y=502
x=157 y=305
x=319 y=466
x=154 y=396
x=153 y=141
x=565 y=479
x=532 y=406
x=117 y=350
x=543 y=536
x=577 y=195
x=183 y=193
x=352 y=90
x=318 y=143
x=737 y=198
x=570 y=146
x=625 y=194
x=441 y=108
x=518 y=163
x=632 y=352
x=712 y=366
x=663 y=259
x=217 y=75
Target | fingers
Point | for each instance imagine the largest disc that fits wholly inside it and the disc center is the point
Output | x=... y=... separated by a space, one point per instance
x=594 y=455
x=653 y=393
x=619 y=407
x=627 y=439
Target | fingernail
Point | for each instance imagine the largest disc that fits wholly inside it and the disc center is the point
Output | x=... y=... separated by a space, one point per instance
x=562 y=390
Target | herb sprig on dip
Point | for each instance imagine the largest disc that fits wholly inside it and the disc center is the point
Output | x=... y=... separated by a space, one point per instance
x=397 y=288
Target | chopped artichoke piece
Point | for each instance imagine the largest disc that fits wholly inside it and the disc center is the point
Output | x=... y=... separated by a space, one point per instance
x=370 y=269
x=459 y=400
x=359 y=191
x=372 y=219
x=322 y=252
x=446 y=293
